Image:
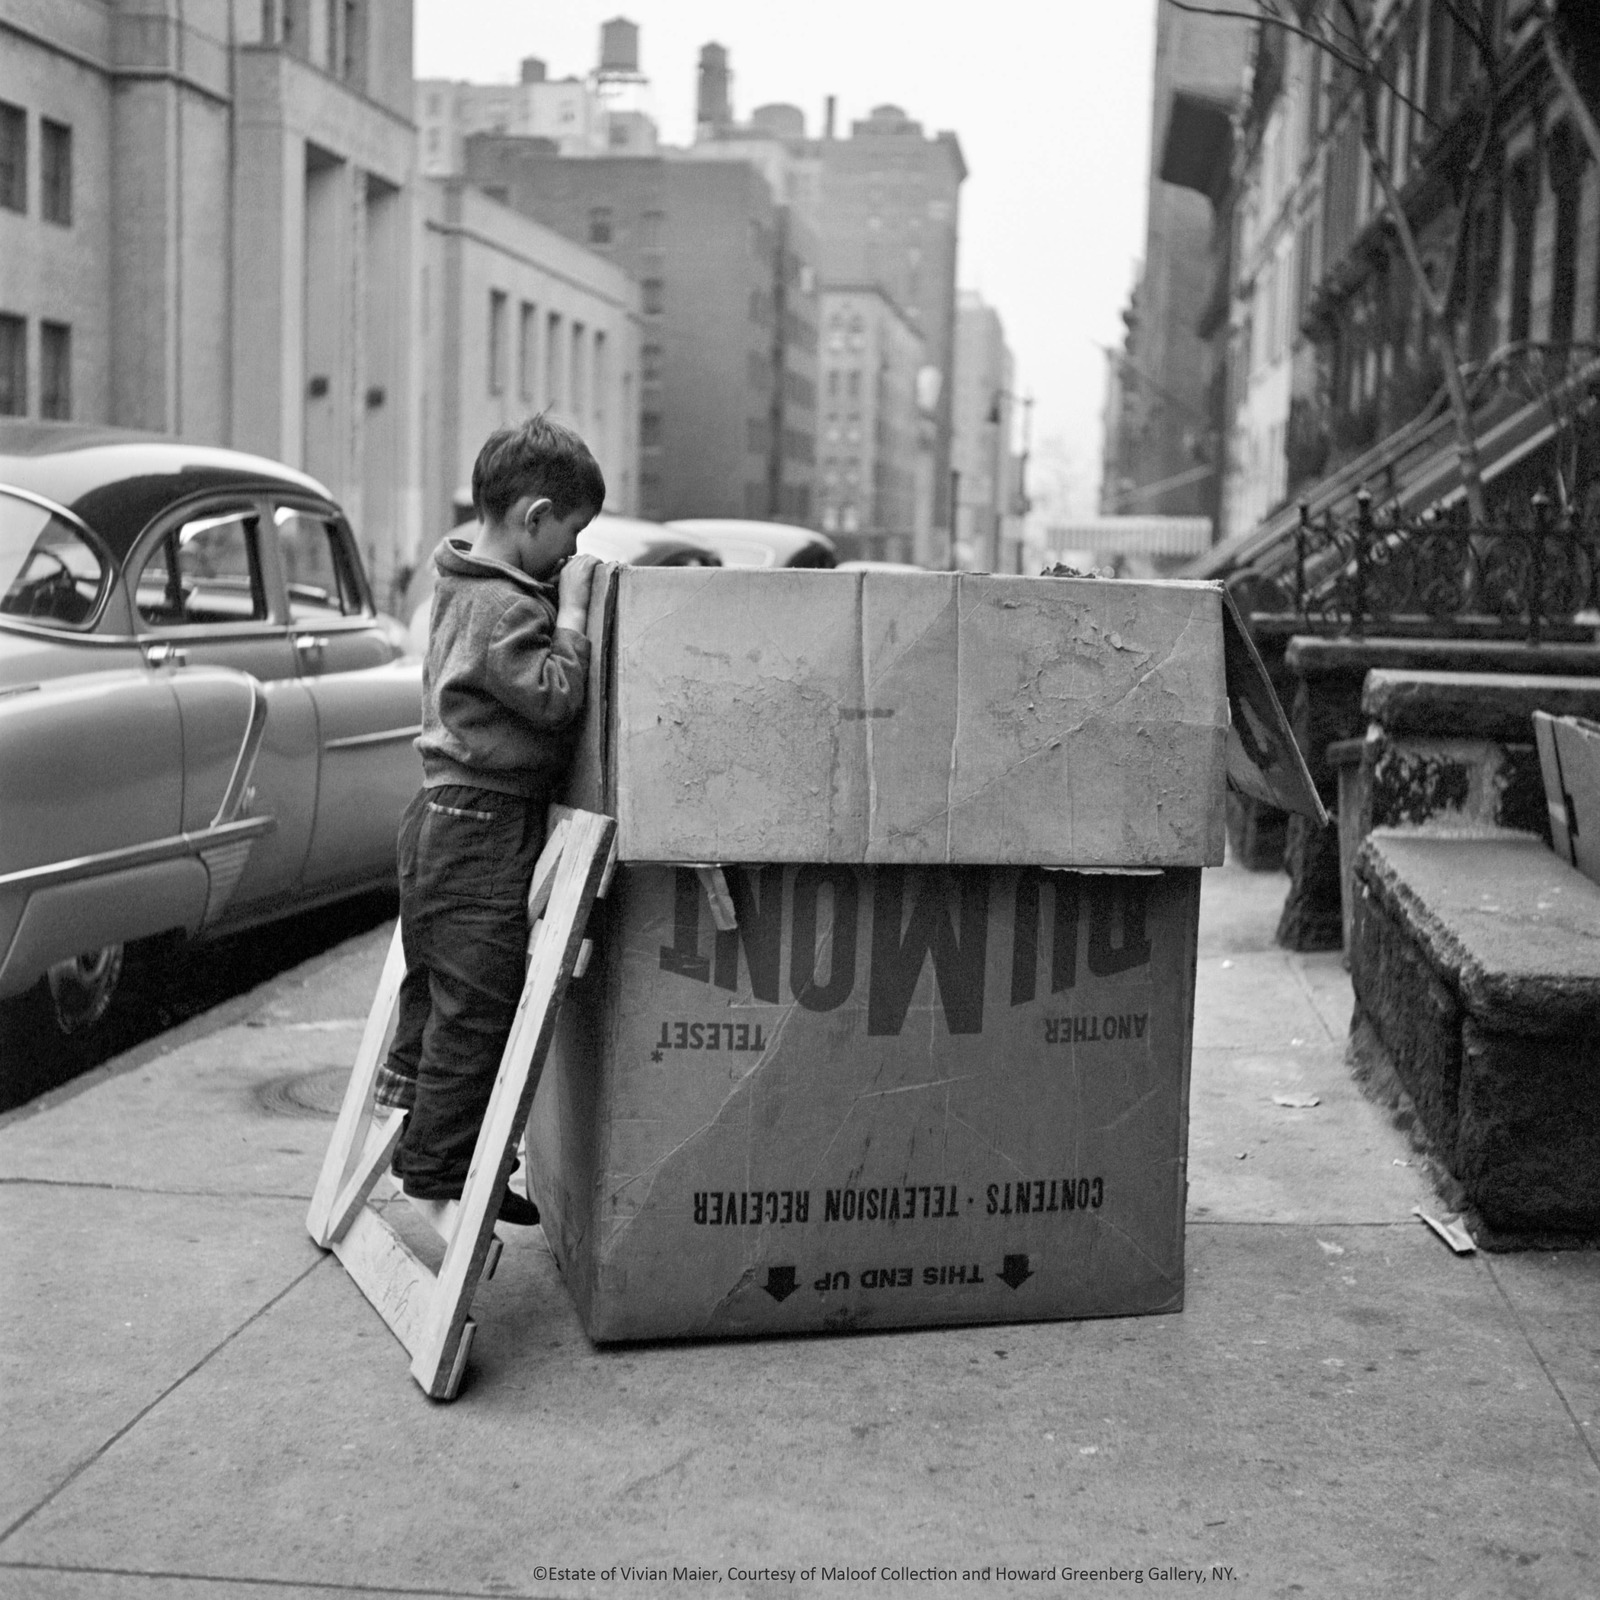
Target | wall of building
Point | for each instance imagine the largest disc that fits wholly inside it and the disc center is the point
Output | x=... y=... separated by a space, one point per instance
x=56 y=63
x=239 y=265
x=725 y=290
x=870 y=433
x=507 y=303
x=889 y=213
x=981 y=428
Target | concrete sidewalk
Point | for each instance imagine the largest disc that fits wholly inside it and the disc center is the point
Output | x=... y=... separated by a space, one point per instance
x=198 y=1403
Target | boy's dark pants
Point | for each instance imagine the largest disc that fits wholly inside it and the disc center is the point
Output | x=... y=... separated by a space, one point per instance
x=466 y=859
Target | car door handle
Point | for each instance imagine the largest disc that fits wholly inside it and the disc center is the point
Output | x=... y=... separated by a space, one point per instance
x=167 y=655
x=310 y=643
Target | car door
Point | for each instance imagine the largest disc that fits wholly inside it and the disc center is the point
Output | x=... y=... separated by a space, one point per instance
x=368 y=699
x=204 y=594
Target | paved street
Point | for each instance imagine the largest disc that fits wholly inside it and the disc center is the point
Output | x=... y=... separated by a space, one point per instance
x=198 y=1403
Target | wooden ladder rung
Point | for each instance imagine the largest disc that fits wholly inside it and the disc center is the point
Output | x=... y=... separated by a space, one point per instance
x=427 y=1311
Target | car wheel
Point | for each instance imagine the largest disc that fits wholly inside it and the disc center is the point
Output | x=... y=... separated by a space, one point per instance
x=81 y=989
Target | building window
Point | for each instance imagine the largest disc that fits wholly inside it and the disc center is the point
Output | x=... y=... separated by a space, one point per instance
x=552 y=359
x=654 y=296
x=599 y=376
x=13 y=157
x=599 y=224
x=13 y=366
x=650 y=363
x=652 y=229
x=497 y=341
x=527 y=341
x=55 y=171
x=55 y=371
x=649 y=429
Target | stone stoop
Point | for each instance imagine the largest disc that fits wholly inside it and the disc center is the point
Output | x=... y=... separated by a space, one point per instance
x=1475 y=960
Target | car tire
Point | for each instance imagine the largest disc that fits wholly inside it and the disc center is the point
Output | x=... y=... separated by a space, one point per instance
x=81 y=989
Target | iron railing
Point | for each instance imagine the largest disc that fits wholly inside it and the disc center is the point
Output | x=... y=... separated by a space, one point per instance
x=1434 y=576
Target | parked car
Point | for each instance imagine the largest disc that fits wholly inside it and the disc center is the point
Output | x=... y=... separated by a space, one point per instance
x=743 y=543
x=629 y=540
x=205 y=723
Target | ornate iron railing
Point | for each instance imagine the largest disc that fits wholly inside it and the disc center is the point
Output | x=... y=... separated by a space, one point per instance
x=1437 y=575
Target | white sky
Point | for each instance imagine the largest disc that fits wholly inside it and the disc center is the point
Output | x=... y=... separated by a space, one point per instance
x=1050 y=99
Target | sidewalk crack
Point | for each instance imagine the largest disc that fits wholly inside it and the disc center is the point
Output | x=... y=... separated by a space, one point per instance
x=145 y=1410
x=1544 y=1366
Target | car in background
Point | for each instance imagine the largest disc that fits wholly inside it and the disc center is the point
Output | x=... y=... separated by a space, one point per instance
x=205 y=722
x=747 y=543
x=630 y=541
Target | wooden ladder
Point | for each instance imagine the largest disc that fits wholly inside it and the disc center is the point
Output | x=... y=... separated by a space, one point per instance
x=427 y=1311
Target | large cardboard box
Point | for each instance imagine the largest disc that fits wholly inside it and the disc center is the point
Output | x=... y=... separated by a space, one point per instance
x=937 y=1070
x=892 y=1095
x=922 y=717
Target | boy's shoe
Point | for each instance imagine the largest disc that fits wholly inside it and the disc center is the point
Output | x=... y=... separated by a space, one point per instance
x=518 y=1210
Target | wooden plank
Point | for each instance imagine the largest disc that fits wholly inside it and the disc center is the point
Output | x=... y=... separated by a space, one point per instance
x=586 y=841
x=386 y=1271
x=382 y=1137
x=347 y=1130
x=544 y=871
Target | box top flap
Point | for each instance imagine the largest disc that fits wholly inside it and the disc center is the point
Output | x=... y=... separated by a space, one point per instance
x=1263 y=759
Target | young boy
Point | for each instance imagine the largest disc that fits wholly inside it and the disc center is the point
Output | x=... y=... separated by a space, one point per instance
x=502 y=687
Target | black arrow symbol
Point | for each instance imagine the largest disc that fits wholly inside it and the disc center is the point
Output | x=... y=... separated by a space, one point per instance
x=1015 y=1272
x=780 y=1283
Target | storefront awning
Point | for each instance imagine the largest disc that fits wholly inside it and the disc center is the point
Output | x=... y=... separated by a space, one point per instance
x=1133 y=536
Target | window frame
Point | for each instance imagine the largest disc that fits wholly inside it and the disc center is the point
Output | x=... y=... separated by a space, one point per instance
x=14 y=172
x=243 y=503
x=108 y=565
x=55 y=398
x=346 y=560
x=55 y=172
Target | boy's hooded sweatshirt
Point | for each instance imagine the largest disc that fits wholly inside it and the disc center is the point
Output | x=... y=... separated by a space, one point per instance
x=502 y=685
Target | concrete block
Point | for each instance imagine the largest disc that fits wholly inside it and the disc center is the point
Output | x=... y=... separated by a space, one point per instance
x=1414 y=1014
x=1476 y=960
x=1528 y=1148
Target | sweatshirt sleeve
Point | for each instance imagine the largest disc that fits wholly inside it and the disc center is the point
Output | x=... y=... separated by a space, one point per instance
x=538 y=671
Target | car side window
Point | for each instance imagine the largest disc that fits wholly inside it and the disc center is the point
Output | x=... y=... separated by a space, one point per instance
x=50 y=572
x=204 y=572
x=318 y=567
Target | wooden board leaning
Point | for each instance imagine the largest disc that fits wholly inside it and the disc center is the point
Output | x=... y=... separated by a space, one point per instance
x=426 y=1311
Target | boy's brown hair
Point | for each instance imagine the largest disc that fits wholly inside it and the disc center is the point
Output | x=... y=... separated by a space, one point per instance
x=541 y=458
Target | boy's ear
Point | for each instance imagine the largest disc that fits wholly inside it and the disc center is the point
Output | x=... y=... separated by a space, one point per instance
x=540 y=507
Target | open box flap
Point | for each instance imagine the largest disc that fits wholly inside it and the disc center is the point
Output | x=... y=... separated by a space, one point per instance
x=589 y=785
x=1263 y=759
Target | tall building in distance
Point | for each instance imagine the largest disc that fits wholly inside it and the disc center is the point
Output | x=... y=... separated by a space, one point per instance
x=981 y=463
x=603 y=114
x=1163 y=444
x=728 y=358
x=872 y=442
x=889 y=213
x=520 y=319
x=885 y=206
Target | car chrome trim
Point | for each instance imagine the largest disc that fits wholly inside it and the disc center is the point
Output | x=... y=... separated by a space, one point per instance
x=136 y=855
x=388 y=736
x=233 y=797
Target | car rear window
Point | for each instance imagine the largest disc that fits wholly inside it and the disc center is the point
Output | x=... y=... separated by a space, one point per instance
x=51 y=572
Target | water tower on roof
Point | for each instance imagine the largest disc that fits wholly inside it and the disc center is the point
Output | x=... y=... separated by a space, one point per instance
x=618 y=81
x=619 y=47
